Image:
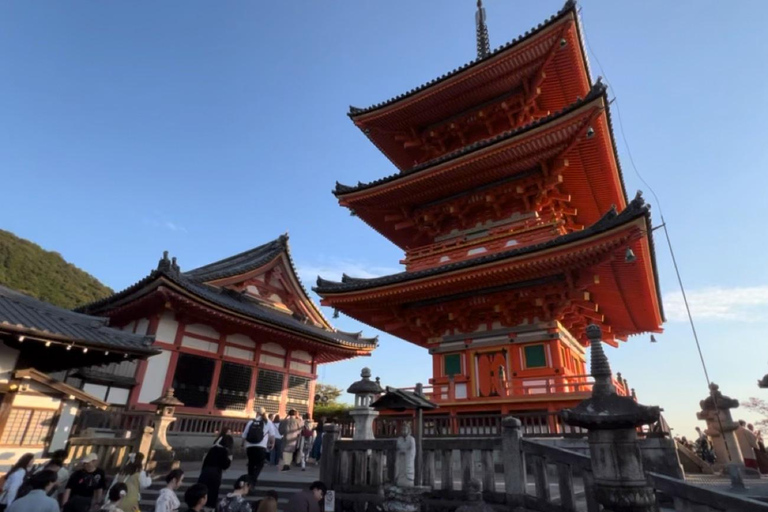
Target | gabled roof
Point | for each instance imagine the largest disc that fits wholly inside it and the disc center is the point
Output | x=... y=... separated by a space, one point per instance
x=191 y=284
x=240 y=263
x=569 y=7
x=24 y=315
x=254 y=259
x=400 y=400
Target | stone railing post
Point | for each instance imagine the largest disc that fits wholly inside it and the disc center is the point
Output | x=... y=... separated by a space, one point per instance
x=331 y=434
x=514 y=461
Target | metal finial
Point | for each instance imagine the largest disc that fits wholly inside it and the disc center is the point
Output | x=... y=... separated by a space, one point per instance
x=599 y=366
x=483 y=42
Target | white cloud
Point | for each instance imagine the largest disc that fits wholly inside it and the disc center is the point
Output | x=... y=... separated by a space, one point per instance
x=748 y=303
x=333 y=268
x=159 y=222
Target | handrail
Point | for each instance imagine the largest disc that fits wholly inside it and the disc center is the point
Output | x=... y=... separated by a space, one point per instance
x=701 y=496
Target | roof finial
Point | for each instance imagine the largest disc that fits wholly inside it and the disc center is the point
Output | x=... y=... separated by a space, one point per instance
x=483 y=43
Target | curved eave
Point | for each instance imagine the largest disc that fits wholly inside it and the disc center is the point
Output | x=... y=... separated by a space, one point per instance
x=567 y=13
x=625 y=292
x=593 y=178
x=156 y=280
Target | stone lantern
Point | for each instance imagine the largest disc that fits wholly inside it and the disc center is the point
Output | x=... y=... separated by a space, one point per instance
x=612 y=421
x=166 y=407
x=716 y=411
x=365 y=390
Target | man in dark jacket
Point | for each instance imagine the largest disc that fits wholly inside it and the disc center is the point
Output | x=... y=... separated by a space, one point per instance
x=307 y=500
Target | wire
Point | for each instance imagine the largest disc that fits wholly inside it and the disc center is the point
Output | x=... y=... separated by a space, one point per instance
x=666 y=232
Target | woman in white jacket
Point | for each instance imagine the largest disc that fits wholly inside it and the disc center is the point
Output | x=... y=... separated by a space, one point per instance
x=14 y=478
x=167 y=501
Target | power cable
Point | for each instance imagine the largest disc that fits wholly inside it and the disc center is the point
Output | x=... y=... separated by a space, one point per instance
x=666 y=231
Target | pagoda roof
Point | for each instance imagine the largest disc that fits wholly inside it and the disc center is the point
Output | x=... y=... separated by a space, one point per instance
x=500 y=75
x=26 y=316
x=627 y=293
x=598 y=90
x=568 y=8
x=636 y=208
x=190 y=284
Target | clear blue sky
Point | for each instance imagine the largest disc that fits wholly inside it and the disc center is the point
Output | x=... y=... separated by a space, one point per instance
x=207 y=128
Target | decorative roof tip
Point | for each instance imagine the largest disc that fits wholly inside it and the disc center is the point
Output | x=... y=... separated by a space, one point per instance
x=483 y=42
x=164 y=265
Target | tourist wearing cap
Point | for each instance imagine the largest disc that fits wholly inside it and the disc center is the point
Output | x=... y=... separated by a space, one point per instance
x=85 y=487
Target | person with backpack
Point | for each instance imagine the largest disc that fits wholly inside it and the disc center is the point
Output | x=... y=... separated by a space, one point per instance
x=259 y=436
x=14 y=478
x=216 y=461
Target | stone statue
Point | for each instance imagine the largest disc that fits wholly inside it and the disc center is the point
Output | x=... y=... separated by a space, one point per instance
x=406 y=456
x=474 y=498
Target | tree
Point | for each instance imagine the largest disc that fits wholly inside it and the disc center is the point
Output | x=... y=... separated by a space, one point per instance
x=327 y=394
x=757 y=406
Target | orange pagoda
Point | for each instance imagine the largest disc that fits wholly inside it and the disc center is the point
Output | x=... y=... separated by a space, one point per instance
x=510 y=206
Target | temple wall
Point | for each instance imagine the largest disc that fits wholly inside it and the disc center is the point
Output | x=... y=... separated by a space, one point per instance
x=154 y=378
x=8 y=358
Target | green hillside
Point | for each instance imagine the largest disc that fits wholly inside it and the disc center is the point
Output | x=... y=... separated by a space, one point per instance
x=45 y=275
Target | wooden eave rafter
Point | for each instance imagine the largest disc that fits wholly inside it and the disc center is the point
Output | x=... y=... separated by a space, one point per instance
x=165 y=286
x=590 y=298
x=61 y=388
x=392 y=208
x=521 y=67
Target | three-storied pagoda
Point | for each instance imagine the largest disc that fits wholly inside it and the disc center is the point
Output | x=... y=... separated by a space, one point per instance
x=232 y=335
x=510 y=206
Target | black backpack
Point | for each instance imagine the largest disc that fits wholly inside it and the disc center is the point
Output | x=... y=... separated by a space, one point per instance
x=255 y=433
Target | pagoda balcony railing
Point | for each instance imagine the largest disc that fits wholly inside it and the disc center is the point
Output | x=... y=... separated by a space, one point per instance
x=552 y=385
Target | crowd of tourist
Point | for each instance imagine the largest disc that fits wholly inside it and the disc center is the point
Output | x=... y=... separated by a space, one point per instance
x=749 y=439
x=289 y=442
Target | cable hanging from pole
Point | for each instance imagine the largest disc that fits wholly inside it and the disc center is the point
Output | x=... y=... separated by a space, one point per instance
x=666 y=235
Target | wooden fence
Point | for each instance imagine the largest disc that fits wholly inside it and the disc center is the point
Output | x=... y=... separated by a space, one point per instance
x=112 y=451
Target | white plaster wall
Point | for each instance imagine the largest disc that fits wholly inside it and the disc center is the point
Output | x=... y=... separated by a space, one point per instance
x=241 y=339
x=203 y=330
x=8 y=358
x=64 y=426
x=152 y=385
x=166 y=328
x=272 y=360
x=273 y=348
x=37 y=401
x=239 y=353
x=301 y=367
x=301 y=355
x=118 y=396
x=96 y=390
x=198 y=344
x=142 y=325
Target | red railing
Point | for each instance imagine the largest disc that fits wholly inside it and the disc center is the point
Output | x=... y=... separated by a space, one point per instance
x=527 y=386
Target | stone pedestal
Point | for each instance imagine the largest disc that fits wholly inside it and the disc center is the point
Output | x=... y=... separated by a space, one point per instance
x=716 y=412
x=363 y=417
x=612 y=421
x=403 y=499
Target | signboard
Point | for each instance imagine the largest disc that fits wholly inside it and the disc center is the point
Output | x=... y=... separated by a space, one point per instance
x=330 y=501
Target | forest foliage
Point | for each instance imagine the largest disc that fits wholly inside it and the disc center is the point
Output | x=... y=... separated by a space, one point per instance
x=28 y=268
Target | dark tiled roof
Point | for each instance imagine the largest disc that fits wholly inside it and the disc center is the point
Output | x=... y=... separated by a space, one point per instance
x=400 y=399
x=240 y=263
x=235 y=302
x=570 y=6
x=598 y=89
x=636 y=208
x=21 y=313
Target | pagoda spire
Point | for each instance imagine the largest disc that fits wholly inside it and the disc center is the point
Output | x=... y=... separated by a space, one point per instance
x=483 y=43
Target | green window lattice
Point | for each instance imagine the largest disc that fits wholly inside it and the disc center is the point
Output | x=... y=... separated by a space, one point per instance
x=452 y=364
x=535 y=357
